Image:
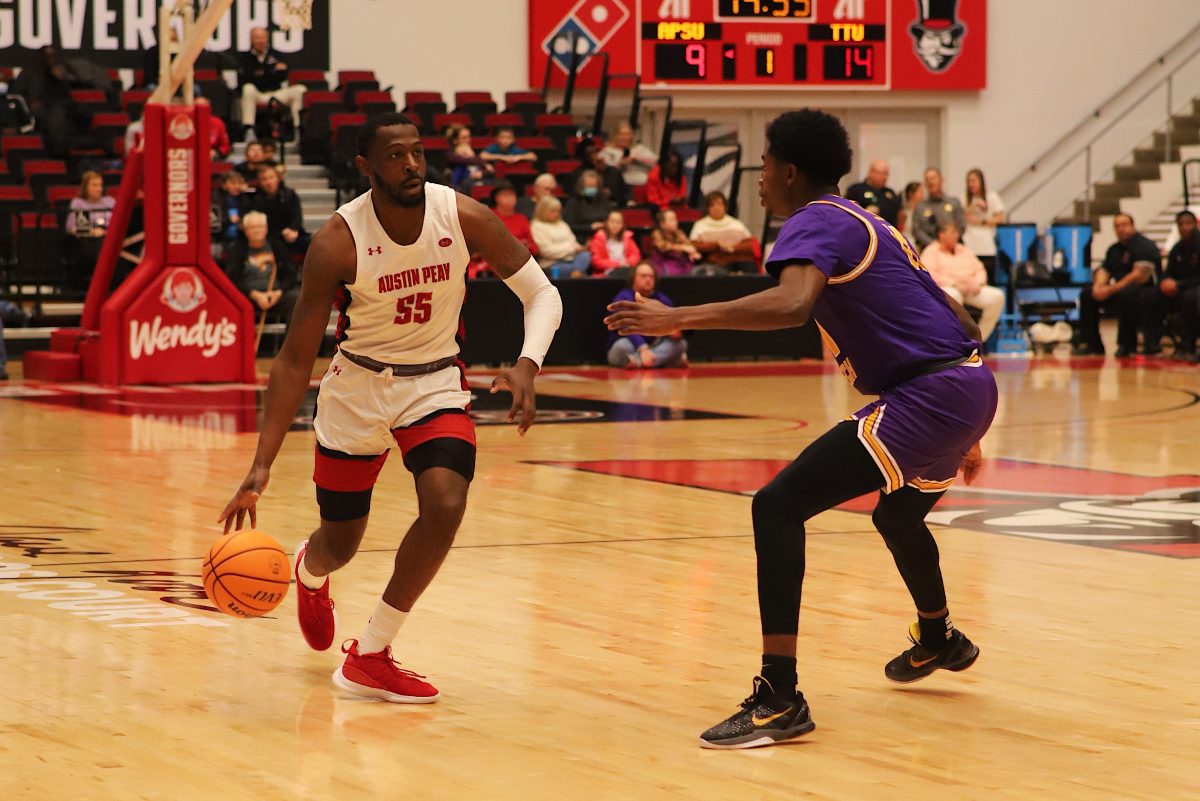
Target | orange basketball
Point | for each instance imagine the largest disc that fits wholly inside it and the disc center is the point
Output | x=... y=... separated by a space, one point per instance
x=246 y=574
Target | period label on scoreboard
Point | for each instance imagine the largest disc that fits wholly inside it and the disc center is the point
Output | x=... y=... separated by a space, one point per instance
x=803 y=44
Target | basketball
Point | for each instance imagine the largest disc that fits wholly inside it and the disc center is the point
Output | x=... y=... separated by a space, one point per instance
x=246 y=574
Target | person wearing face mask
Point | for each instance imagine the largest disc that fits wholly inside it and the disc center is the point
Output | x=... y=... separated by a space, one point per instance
x=587 y=209
x=612 y=185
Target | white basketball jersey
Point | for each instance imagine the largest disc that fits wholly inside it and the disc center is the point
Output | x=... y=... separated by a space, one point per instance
x=405 y=304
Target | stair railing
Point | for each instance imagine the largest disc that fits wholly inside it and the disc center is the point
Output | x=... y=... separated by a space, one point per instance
x=1101 y=153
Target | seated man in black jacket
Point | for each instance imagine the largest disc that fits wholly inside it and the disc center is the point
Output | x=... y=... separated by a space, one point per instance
x=1131 y=263
x=281 y=204
x=1177 y=292
x=259 y=266
x=262 y=76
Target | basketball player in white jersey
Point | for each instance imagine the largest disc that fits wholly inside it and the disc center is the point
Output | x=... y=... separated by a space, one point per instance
x=394 y=260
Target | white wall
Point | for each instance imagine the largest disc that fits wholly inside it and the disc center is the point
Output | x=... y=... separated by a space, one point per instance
x=1049 y=63
x=446 y=45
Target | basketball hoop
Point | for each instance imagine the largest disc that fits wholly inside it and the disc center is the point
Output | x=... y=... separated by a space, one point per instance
x=293 y=14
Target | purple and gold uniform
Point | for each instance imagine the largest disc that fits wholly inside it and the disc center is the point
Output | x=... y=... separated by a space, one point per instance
x=893 y=334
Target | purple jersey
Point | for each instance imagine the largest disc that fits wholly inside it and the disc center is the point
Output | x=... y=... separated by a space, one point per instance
x=881 y=314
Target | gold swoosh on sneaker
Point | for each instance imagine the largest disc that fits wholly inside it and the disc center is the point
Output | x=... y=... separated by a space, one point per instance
x=922 y=663
x=757 y=721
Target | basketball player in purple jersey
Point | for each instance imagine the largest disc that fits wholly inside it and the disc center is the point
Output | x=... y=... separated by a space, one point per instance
x=894 y=334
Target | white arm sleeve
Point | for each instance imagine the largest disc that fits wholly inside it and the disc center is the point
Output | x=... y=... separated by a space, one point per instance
x=543 y=309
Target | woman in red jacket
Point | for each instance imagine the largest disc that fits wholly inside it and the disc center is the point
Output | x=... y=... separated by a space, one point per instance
x=667 y=186
x=613 y=247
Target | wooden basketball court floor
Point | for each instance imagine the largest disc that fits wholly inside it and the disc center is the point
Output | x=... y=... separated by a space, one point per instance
x=598 y=609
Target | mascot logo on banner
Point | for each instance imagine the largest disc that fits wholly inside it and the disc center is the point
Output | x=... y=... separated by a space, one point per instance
x=938 y=33
x=183 y=290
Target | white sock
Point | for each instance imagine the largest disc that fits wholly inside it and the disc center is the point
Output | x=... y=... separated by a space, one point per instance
x=381 y=629
x=308 y=579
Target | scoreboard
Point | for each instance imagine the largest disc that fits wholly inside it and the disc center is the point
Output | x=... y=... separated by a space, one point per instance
x=793 y=44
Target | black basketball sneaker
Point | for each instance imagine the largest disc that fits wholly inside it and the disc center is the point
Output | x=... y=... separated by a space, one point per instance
x=917 y=662
x=765 y=719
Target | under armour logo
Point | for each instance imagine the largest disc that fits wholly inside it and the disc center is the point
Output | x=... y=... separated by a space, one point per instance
x=375 y=251
x=336 y=369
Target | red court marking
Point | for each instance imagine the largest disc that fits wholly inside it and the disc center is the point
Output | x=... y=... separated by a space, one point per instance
x=1182 y=550
x=748 y=475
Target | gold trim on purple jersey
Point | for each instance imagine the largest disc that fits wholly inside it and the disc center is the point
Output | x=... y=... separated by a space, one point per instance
x=871 y=248
x=923 y=485
x=868 y=434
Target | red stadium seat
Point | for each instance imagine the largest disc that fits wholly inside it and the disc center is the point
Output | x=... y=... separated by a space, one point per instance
x=563 y=166
x=414 y=98
x=482 y=192
x=314 y=98
x=355 y=76
x=89 y=97
x=315 y=80
x=443 y=121
x=638 y=217
x=478 y=143
x=517 y=98
x=207 y=75
x=61 y=195
x=494 y=121
x=469 y=98
x=43 y=167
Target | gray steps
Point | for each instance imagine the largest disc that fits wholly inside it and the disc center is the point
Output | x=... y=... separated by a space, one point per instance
x=311 y=183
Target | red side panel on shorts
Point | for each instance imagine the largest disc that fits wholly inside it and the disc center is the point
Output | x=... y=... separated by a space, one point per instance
x=346 y=473
x=456 y=425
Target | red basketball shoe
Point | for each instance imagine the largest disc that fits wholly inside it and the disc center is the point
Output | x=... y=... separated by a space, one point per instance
x=314 y=608
x=379 y=676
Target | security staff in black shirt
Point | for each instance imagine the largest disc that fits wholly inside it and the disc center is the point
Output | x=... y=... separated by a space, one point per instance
x=874 y=195
x=1131 y=263
x=1178 y=292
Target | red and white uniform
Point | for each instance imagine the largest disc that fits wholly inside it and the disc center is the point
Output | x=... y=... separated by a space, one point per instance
x=403 y=308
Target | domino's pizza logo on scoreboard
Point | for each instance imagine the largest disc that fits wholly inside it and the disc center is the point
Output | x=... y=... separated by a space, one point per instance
x=590 y=23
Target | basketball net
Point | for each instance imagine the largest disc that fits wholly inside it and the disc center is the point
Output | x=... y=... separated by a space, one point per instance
x=293 y=14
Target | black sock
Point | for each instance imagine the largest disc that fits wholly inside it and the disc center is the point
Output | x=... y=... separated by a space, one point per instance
x=780 y=673
x=935 y=631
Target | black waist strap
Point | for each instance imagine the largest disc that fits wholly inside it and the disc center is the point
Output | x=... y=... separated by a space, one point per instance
x=401 y=370
x=936 y=367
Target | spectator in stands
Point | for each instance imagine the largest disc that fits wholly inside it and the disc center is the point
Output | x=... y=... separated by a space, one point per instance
x=935 y=209
x=136 y=132
x=1173 y=236
x=259 y=266
x=13 y=316
x=1178 y=292
x=262 y=77
x=466 y=167
x=914 y=193
x=612 y=185
x=961 y=275
x=229 y=203
x=87 y=222
x=666 y=185
x=1130 y=263
x=281 y=205
x=723 y=240
x=635 y=352
x=587 y=208
x=613 y=246
x=632 y=158
x=874 y=195
x=46 y=86
x=505 y=149
x=544 y=185
x=983 y=212
x=504 y=203
x=559 y=251
x=218 y=136
x=671 y=252
x=255 y=158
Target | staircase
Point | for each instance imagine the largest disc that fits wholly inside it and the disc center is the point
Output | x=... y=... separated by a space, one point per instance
x=1146 y=164
x=310 y=182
